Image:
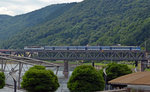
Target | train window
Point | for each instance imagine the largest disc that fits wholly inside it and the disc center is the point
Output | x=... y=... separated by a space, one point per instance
x=86 y=48
x=130 y=48
x=110 y=48
x=100 y=48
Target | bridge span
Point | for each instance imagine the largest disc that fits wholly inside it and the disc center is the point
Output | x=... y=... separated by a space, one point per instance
x=98 y=55
x=113 y=55
x=80 y=54
x=22 y=58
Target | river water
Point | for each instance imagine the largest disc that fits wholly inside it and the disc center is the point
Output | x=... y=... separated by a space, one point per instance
x=61 y=77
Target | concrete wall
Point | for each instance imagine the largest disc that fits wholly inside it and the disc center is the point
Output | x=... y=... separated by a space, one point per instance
x=118 y=90
x=138 y=88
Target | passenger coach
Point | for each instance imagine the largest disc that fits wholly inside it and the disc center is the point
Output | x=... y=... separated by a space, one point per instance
x=82 y=48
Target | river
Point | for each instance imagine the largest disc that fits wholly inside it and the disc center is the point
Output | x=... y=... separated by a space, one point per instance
x=61 y=78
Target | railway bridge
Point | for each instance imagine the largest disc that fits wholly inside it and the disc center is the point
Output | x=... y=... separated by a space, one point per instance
x=80 y=54
x=19 y=60
x=98 y=55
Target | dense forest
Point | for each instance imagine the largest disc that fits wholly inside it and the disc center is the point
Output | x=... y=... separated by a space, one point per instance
x=9 y=26
x=92 y=22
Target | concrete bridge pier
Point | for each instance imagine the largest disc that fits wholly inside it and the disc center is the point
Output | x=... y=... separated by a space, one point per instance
x=93 y=63
x=144 y=64
x=136 y=63
x=3 y=65
x=136 y=66
x=66 y=72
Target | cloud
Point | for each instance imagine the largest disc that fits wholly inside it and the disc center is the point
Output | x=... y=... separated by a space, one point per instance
x=59 y=1
x=20 y=0
x=16 y=7
x=4 y=10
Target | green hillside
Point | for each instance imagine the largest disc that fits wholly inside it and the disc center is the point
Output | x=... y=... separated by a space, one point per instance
x=92 y=22
x=3 y=18
x=16 y=24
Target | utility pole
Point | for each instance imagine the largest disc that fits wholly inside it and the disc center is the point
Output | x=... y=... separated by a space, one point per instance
x=105 y=78
x=13 y=75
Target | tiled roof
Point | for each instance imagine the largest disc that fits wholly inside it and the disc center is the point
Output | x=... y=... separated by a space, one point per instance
x=139 y=78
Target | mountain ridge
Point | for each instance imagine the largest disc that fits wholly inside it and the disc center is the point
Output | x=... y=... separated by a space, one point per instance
x=98 y=22
x=19 y=22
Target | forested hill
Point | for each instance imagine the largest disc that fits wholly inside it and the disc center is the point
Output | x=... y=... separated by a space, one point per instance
x=12 y=25
x=92 y=22
x=4 y=18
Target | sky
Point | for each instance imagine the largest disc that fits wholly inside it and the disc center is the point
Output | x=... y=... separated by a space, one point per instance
x=17 y=7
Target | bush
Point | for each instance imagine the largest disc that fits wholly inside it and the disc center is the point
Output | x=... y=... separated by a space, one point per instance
x=38 y=79
x=115 y=70
x=2 y=80
x=85 y=78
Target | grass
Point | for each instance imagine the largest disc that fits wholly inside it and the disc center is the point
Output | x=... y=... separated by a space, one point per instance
x=131 y=66
x=61 y=62
x=100 y=64
x=147 y=69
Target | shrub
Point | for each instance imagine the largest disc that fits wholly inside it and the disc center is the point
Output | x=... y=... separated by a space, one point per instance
x=115 y=70
x=2 y=80
x=85 y=78
x=38 y=79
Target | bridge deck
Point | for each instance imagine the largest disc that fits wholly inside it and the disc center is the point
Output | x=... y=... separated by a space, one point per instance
x=113 y=55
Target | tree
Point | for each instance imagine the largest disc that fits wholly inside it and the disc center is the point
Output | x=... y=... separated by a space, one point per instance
x=85 y=78
x=115 y=70
x=38 y=79
x=2 y=80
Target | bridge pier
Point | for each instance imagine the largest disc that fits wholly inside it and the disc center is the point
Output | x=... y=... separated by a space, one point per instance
x=136 y=66
x=93 y=63
x=65 y=72
x=2 y=66
x=144 y=64
x=136 y=63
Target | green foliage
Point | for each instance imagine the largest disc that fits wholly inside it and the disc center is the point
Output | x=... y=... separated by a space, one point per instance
x=38 y=67
x=85 y=78
x=38 y=79
x=92 y=22
x=115 y=70
x=2 y=80
x=11 y=25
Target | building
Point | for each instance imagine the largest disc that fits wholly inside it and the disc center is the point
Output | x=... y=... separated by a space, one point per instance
x=135 y=82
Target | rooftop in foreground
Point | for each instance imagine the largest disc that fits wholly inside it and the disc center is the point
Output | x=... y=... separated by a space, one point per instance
x=139 y=78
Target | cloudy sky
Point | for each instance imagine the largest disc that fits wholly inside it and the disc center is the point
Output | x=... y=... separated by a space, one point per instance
x=16 y=7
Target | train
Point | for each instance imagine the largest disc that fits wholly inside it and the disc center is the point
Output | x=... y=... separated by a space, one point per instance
x=134 y=48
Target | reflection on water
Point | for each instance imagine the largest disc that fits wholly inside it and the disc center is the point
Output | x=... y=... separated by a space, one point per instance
x=63 y=80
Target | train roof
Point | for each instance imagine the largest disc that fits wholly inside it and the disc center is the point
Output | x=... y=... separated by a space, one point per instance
x=91 y=46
